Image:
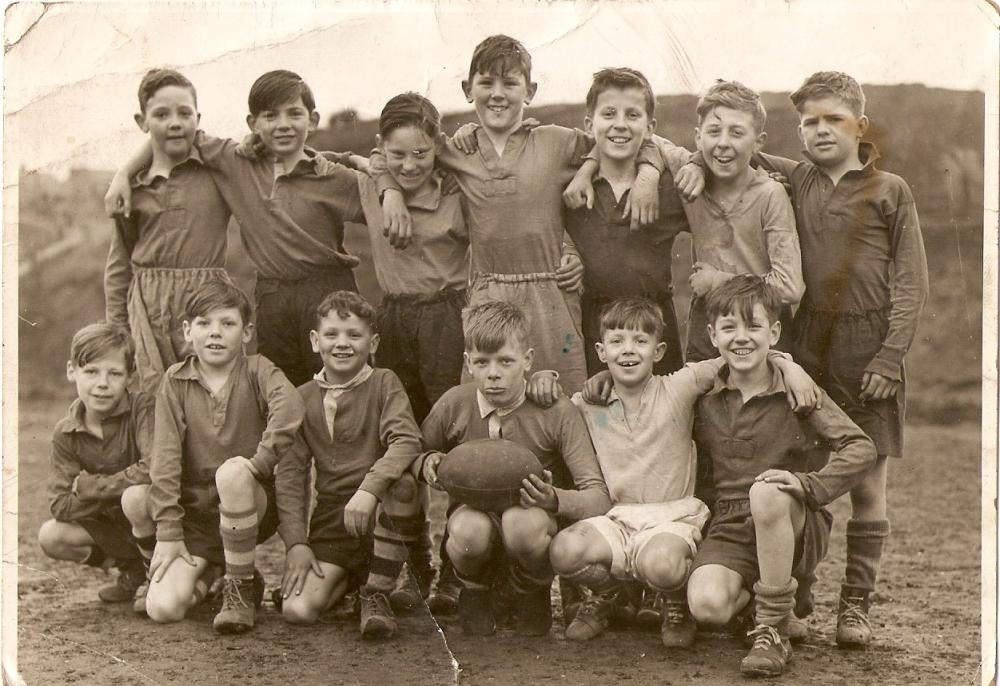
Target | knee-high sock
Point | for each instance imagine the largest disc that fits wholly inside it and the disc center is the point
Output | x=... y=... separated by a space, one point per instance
x=389 y=549
x=239 y=540
x=865 y=541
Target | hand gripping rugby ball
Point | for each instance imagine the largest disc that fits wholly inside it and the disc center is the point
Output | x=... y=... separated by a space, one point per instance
x=486 y=474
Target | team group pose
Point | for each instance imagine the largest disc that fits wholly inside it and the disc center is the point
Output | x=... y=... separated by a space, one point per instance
x=527 y=318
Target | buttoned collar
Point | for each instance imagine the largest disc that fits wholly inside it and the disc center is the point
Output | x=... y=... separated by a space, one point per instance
x=76 y=421
x=428 y=200
x=486 y=408
x=189 y=371
x=143 y=179
x=723 y=382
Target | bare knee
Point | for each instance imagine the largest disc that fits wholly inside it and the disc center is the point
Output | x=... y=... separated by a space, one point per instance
x=526 y=532
x=234 y=476
x=709 y=604
x=52 y=540
x=135 y=503
x=870 y=492
x=470 y=534
x=165 y=607
x=768 y=503
x=569 y=550
x=663 y=570
x=299 y=612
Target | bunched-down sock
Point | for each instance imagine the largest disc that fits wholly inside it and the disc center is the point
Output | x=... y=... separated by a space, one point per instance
x=774 y=604
x=595 y=577
x=239 y=541
x=865 y=541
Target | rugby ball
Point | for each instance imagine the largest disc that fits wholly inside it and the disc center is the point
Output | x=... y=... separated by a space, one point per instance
x=486 y=474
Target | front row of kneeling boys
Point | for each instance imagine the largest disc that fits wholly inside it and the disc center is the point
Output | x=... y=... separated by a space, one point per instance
x=226 y=463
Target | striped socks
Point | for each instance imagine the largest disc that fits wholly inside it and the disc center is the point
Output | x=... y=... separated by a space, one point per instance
x=239 y=541
x=393 y=535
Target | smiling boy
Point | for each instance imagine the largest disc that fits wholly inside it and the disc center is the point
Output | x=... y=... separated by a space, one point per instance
x=743 y=222
x=223 y=421
x=487 y=549
x=99 y=449
x=291 y=205
x=768 y=525
x=360 y=433
x=618 y=261
x=174 y=239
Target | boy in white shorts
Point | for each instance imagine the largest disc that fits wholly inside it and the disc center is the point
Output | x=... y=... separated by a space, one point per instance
x=642 y=437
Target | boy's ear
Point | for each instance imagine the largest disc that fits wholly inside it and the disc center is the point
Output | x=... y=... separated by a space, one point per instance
x=650 y=128
x=802 y=137
x=599 y=347
x=70 y=370
x=588 y=125
x=467 y=89
x=247 y=332
x=468 y=362
x=529 y=358
x=314 y=340
x=379 y=143
x=697 y=137
x=532 y=89
x=862 y=126
x=775 y=332
x=659 y=351
x=313 y=120
x=186 y=330
x=711 y=336
x=759 y=141
x=140 y=121
x=251 y=123
x=375 y=342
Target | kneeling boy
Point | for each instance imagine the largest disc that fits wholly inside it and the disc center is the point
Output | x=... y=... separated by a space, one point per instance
x=494 y=406
x=768 y=527
x=360 y=433
x=212 y=504
x=643 y=444
x=98 y=450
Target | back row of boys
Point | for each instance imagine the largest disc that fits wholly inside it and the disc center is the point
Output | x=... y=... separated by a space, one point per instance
x=857 y=225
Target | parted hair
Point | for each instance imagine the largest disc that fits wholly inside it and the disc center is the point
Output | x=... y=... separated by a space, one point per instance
x=346 y=303
x=410 y=109
x=158 y=78
x=831 y=83
x=217 y=294
x=740 y=295
x=491 y=325
x=275 y=88
x=638 y=314
x=95 y=341
x=735 y=96
x=500 y=55
x=622 y=78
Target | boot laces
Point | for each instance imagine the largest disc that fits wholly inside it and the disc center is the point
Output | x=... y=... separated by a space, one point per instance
x=764 y=636
x=232 y=594
x=854 y=613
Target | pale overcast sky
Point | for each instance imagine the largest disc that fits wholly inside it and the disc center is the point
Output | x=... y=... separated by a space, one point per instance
x=70 y=79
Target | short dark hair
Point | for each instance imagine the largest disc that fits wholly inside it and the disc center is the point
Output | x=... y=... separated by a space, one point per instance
x=489 y=326
x=735 y=96
x=640 y=314
x=740 y=295
x=275 y=88
x=823 y=84
x=158 y=78
x=500 y=55
x=346 y=303
x=410 y=109
x=621 y=78
x=95 y=341
x=217 y=294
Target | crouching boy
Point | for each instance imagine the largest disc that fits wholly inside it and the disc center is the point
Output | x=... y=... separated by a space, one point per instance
x=360 y=433
x=768 y=524
x=223 y=421
x=98 y=450
x=517 y=540
x=642 y=437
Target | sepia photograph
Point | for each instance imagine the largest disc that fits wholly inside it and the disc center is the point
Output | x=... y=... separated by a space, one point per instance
x=466 y=342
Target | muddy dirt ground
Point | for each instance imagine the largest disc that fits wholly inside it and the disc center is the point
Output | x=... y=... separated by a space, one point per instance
x=927 y=617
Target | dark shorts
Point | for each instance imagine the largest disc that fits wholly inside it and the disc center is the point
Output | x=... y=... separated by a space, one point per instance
x=731 y=541
x=422 y=342
x=331 y=543
x=834 y=348
x=112 y=533
x=286 y=313
x=203 y=538
x=699 y=344
x=593 y=303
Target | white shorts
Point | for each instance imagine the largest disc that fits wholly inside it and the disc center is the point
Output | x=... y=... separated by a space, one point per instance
x=628 y=528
